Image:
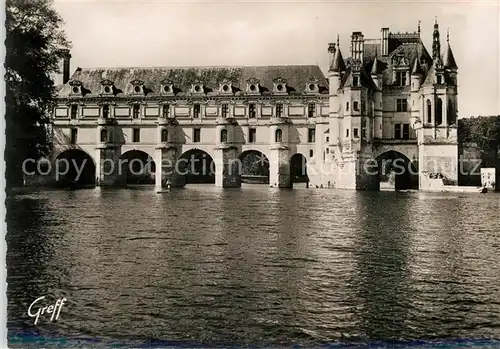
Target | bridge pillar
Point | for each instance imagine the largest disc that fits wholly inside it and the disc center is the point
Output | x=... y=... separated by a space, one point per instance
x=227 y=167
x=168 y=167
x=110 y=171
x=279 y=167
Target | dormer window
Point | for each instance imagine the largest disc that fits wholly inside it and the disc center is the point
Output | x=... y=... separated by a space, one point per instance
x=280 y=85
x=253 y=86
x=401 y=78
x=226 y=86
x=197 y=88
x=167 y=86
x=355 y=81
x=76 y=87
x=138 y=86
x=312 y=86
x=107 y=87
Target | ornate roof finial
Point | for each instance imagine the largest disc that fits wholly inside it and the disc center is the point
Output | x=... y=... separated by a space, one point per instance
x=337 y=40
x=435 y=19
x=448 y=35
x=419 y=27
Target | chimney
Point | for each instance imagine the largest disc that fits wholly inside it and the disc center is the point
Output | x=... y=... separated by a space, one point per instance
x=357 y=46
x=66 y=66
x=385 y=41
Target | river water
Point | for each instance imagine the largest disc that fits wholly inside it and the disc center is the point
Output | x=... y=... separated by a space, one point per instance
x=253 y=266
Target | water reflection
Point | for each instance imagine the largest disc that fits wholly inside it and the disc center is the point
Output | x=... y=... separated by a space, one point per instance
x=382 y=257
x=255 y=265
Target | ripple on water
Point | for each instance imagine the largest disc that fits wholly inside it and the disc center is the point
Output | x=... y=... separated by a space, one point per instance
x=257 y=266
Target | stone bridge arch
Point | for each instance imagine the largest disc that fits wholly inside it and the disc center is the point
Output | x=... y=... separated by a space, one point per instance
x=396 y=171
x=254 y=166
x=73 y=166
x=196 y=165
x=136 y=167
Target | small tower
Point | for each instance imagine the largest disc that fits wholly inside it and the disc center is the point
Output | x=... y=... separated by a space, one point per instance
x=337 y=68
x=451 y=72
x=417 y=74
x=436 y=45
x=376 y=75
x=449 y=63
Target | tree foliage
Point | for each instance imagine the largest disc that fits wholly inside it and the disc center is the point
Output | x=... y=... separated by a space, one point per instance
x=35 y=44
x=483 y=131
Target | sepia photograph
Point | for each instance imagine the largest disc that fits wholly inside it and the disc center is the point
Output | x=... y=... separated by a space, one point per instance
x=252 y=174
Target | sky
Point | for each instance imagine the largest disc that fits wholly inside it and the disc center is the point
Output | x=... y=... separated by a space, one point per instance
x=207 y=33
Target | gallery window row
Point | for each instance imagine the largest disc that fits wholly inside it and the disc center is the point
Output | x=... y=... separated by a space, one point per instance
x=167 y=110
x=104 y=135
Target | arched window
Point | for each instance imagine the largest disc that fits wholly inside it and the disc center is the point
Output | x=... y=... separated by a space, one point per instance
x=164 y=135
x=429 y=111
x=439 y=112
x=223 y=135
x=278 y=136
x=450 y=115
x=104 y=135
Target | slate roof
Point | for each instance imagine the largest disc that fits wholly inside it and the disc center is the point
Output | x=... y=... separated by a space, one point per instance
x=448 y=59
x=297 y=77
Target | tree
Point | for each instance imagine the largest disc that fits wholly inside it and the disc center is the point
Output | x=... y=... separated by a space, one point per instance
x=35 y=44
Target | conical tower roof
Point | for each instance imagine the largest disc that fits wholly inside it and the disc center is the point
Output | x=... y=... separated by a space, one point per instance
x=448 y=59
x=337 y=64
x=375 y=66
x=417 y=69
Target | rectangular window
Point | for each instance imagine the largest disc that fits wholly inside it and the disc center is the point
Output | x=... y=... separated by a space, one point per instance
x=196 y=111
x=328 y=139
x=166 y=110
x=397 y=131
x=135 y=111
x=252 y=133
x=439 y=79
x=105 y=111
x=225 y=109
x=347 y=132
x=136 y=135
x=401 y=78
x=74 y=134
x=355 y=81
x=347 y=106
x=355 y=106
x=406 y=131
x=279 y=110
x=311 y=110
x=311 y=135
x=74 y=111
x=355 y=132
x=251 y=110
x=401 y=105
x=196 y=135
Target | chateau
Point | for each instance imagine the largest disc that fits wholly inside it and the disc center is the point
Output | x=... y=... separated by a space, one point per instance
x=391 y=99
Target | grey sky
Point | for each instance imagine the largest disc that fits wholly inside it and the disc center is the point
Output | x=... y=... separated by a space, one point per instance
x=167 y=33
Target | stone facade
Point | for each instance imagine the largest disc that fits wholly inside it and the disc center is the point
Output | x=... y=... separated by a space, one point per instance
x=390 y=97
